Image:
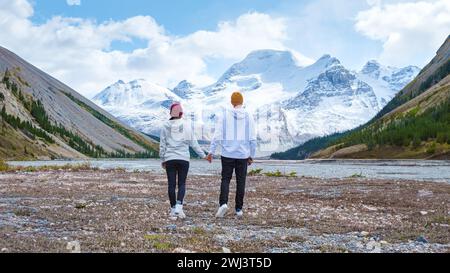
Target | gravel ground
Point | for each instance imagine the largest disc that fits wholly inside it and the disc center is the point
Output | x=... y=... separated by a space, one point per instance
x=116 y=211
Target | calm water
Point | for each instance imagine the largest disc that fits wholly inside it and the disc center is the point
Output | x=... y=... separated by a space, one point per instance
x=391 y=169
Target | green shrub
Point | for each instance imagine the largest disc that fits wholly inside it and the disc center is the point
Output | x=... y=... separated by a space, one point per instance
x=278 y=173
x=416 y=142
x=442 y=138
x=255 y=172
x=357 y=175
x=432 y=148
x=3 y=166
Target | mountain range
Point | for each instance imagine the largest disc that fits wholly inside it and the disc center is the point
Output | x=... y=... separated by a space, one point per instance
x=414 y=124
x=42 y=118
x=291 y=103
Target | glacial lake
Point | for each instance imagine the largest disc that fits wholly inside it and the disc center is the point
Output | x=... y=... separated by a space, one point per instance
x=420 y=170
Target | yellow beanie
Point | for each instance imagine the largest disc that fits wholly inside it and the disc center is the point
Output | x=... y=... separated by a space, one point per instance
x=237 y=99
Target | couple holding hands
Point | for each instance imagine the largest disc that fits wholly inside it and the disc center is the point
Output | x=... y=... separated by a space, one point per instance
x=234 y=133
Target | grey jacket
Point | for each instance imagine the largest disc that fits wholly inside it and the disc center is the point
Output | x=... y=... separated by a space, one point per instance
x=176 y=137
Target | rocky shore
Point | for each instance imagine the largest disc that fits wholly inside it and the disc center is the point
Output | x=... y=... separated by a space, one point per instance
x=118 y=211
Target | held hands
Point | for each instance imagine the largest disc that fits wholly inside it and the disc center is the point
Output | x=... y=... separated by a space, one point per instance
x=209 y=158
x=163 y=165
x=250 y=161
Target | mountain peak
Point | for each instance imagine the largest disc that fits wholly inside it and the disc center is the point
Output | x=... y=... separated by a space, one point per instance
x=265 y=57
x=184 y=89
x=327 y=61
x=184 y=84
x=325 y=57
x=268 y=53
x=371 y=66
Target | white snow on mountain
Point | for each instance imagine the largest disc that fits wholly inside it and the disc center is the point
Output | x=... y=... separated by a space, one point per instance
x=291 y=103
x=385 y=80
x=139 y=103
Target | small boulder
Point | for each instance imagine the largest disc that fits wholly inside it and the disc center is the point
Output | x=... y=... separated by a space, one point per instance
x=182 y=250
x=422 y=239
x=74 y=247
x=364 y=233
x=226 y=250
x=171 y=227
x=81 y=204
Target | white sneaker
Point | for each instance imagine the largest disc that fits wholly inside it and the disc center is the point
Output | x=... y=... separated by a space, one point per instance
x=172 y=212
x=179 y=211
x=222 y=211
x=239 y=213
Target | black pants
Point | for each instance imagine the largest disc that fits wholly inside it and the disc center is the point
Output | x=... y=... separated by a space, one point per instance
x=240 y=167
x=176 y=168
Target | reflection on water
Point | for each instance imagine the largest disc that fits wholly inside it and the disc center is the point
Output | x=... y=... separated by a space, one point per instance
x=391 y=169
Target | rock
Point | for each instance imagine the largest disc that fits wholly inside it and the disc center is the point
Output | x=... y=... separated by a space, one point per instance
x=171 y=227
x=370 y=208
x=377 y=249
x=81 y=204
x=74 y=247
x=423 y=213
x=4 y=249
x=364 y=233
x=182 y=250
x=226 y=250
x=424 y=193
x=384 y=243
x=422 y=239
x=122 y=244
x=373 y=246
x=359 y=245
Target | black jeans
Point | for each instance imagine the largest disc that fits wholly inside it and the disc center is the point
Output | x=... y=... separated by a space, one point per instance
x=240 y=167
x=176 y=168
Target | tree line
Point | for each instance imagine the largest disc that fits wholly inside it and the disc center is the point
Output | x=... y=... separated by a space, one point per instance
x=38 y=112
x=410 y=130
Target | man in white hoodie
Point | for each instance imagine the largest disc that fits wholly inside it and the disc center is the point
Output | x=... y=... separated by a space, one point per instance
x=235 y=133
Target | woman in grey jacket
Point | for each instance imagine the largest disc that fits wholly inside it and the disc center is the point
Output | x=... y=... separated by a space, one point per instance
x=176 y=138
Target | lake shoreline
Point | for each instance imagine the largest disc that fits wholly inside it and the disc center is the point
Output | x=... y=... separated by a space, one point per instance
x=419 y=170
x=119 y=211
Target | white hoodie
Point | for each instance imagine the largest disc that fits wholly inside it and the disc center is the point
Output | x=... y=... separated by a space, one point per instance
x=176 y=137
x=236 y=134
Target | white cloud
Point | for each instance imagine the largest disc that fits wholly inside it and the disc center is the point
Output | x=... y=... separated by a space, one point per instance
x=78 y=51
x=411 y=32
x=74 y=2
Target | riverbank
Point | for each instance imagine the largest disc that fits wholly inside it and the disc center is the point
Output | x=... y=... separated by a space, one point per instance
x=418 y=170
x=118 y=211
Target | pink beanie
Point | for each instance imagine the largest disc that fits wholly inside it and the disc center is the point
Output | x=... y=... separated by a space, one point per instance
x=176 y=111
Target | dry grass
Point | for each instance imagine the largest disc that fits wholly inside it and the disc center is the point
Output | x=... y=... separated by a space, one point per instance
x=127 y=212
x=68 y=167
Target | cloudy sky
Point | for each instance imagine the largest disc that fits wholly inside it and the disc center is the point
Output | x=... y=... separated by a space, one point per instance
x=89 y=44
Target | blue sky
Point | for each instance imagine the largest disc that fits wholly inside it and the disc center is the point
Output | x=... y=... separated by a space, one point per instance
x=98 y=42
x=180 y=17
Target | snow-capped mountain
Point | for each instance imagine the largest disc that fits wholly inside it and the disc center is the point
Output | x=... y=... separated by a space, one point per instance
x=139 y=103
x=384 y=80
x=269 y=67
x=134 y=93
x=334 y=101
x=291 y=103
